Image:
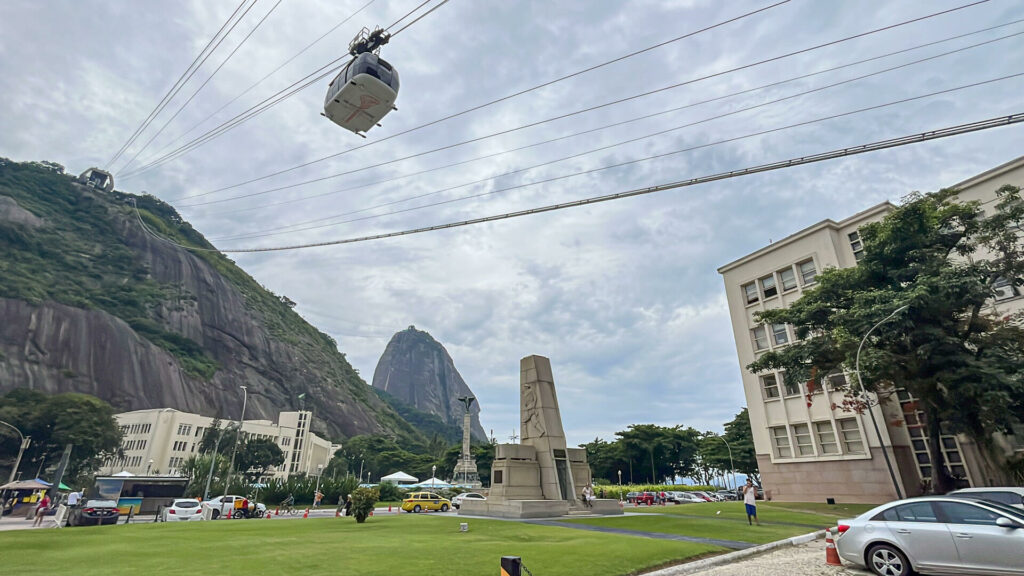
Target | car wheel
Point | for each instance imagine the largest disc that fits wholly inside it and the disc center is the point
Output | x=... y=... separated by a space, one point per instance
x=444 y=507
x=215 y=515
x=416 y=508
x=238 y=514
x=886 y=560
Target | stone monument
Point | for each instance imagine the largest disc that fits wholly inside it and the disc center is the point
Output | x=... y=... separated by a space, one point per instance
x=465 y=468
x=541 y=477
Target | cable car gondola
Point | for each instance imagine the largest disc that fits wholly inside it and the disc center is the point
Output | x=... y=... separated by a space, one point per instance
x=366 y=88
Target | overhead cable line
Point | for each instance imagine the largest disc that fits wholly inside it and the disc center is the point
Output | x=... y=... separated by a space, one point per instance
x=185 y=76
x=257 y=83
x=207 y=81
x=291 y=228
x=646 y=116
x=797 y=161
x=584 y=110
x=504 y=98
x=639 y=160
x=421 y=17
x=255 y=110
x=407 y=14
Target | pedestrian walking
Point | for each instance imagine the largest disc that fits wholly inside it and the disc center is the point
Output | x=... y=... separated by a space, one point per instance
x=348 y=505
x=588 y=496
x=74 y=497
x=317 y=498
x=750 y=502
x=41 y=510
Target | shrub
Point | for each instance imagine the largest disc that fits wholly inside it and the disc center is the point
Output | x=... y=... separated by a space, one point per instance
x=363 y=500
x=390 y=492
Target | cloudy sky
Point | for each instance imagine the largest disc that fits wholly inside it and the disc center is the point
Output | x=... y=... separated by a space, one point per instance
x=622 y=296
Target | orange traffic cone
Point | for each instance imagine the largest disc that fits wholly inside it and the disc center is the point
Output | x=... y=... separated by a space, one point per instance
x=277 y=512
x=389 y=507
x=831 y=555
x=371 y=512
x=306 y=514
x=267 y=515
x=337 y=513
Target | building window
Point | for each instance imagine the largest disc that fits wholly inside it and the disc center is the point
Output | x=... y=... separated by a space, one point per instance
x=850 y=432
x=770 y=385
x=760 y=337
x=184 y=429
x=826 y=437
x=837 y=381
x=768 y=286
x=788 y=279
x=779 y=334
x=808 y=272
x=804 y=445
x=498 y=476
x=791 y=388
x=1004 y=289
x=780 y=439
x=856 y=245
x=750 y=293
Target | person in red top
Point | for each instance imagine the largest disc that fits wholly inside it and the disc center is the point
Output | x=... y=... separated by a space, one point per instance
x=41 y=509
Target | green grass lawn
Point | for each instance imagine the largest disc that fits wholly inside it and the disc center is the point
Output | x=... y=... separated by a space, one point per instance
x=723 y=529
x=398 y=545
x=810 y=514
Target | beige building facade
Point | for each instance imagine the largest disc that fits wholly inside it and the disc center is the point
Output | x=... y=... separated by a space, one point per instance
x=809 y=448
x=158 y=441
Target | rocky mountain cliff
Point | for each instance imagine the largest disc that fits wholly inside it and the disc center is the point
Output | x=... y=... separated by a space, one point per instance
x=418 y=371
x=89 y=302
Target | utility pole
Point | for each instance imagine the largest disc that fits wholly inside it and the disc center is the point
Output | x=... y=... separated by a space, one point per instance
x=245 y=398
x=25 y=441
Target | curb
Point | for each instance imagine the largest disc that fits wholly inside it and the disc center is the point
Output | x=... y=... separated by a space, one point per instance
x=691 y=567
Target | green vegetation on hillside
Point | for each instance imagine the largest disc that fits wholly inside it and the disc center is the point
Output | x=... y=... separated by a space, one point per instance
x=78 y=257
x=428 y=424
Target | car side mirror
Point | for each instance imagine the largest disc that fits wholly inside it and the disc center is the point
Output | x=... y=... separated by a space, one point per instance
x=1005 y=522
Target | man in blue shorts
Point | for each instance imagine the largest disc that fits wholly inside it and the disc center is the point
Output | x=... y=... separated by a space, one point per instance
x=749 y=502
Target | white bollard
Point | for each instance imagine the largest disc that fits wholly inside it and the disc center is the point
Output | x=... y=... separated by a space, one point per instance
x=464 y=527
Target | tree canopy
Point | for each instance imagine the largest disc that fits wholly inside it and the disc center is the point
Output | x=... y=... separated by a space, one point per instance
x=53 y=421
x=953 y=349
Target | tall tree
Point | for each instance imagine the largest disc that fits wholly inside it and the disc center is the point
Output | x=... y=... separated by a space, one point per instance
x=945 y=260
x=258 y=454
x=53 y=421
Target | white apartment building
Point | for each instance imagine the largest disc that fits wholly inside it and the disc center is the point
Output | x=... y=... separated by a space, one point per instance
x=808 y=447
x=158 y=441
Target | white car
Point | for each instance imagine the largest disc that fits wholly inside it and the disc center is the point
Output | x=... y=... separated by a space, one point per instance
x=182 y=510
x=686 y=498
x=1010 y=495
x=457 y=500
x=234 y=507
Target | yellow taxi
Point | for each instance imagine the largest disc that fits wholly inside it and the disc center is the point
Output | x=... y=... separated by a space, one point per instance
x=420 y=501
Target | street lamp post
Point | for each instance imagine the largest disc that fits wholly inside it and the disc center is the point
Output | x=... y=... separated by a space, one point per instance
x=620 y=485
x=25 y=441
x=732 y=467
x=361 y=468
x=864 y=397
x=433 y=474
x=238 y=434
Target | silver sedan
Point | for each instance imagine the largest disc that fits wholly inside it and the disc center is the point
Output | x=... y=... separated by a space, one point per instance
x=935 y=535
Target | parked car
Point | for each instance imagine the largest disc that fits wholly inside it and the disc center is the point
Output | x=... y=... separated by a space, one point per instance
x=420 y=501
x=645 y=498
x=1011 y=496
x=182 y=510
x=457 y=500
x=235 y=507
x=631 y=497
x=726 y=494
x=935 y=535
x=702 y=494
x=93 y=512
x=687 y=498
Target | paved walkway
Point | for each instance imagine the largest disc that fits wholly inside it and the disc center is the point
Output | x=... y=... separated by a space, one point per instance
x=801 y=560
x=730 y=544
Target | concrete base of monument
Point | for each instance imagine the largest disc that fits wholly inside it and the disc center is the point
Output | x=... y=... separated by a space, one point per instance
x=517 y=509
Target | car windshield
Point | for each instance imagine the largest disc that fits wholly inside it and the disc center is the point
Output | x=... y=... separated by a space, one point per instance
x=186 y=504
x=100 y=504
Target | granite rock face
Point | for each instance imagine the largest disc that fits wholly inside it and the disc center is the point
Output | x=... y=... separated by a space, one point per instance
x=418 y=370
x=56 y=339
